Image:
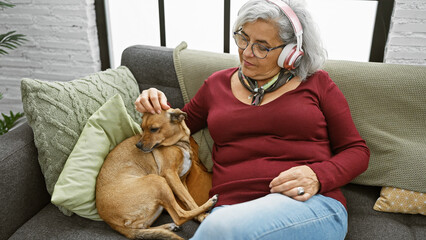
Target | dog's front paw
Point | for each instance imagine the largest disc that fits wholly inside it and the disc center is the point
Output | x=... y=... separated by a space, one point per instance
x=201 y=217
x=214 y=201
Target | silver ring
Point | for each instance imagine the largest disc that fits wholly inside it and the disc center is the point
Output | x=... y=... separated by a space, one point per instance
x=300 y=191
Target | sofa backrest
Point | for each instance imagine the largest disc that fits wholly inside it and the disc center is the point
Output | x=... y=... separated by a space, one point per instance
x=388 y=106
x=153 y=67
x=387 y=101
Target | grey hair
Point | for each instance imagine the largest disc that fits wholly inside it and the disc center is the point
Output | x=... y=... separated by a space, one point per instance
x=315 y=54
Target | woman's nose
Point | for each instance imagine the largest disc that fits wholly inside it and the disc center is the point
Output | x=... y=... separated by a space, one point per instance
x=248 y=52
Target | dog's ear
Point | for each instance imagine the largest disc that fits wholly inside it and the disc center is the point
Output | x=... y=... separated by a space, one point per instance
x=177 y=116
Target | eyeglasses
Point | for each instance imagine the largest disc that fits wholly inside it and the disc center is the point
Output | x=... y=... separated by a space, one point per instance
x=258 y=50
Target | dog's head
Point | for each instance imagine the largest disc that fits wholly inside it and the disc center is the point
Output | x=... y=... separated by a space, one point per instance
x=163 y=129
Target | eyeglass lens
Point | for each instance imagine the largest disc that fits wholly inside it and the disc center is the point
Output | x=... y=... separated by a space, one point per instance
x=258 y=50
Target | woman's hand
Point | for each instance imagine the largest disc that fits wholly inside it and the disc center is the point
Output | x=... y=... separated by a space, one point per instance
x=291 y=181
x=151 y=100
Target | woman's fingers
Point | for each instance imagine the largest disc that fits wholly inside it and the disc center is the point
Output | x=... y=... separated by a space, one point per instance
x=151 y=100
x=299 y=183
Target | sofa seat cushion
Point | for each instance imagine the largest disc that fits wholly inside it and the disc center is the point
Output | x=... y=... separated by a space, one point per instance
x=366 y=223
x=50 y=223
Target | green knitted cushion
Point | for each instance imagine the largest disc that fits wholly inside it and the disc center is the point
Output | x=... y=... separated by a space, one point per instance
x=58 y=111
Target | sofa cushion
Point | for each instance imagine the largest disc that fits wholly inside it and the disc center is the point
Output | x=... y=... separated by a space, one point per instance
x=388 y=105
x=107 y=127
x=192 y=68
x=364 y=222
x=50 y=223
x=401 y=201
x=58 y=111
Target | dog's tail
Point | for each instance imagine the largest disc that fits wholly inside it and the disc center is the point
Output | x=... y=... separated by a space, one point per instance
x=165 y=231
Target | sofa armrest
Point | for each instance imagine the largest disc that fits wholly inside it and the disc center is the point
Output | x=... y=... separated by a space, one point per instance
x=22 y=188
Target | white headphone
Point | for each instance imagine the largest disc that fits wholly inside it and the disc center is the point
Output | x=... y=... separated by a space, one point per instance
x=292 y=53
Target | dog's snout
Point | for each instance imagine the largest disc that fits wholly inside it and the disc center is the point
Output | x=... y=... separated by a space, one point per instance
x=143 y=147
x=139 y=145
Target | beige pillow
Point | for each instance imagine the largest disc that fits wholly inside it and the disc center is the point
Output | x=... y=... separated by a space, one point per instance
x=398 y=200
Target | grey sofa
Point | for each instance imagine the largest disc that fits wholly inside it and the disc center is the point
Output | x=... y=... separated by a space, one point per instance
x=26 y=211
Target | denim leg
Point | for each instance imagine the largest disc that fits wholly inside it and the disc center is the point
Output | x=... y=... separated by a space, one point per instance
x=276 y=216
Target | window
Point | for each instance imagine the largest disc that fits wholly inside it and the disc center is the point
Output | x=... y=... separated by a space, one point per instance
x=131 y=22
x=346 y=26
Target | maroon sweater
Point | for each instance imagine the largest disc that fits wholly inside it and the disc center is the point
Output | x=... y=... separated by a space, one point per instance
x=310 y=125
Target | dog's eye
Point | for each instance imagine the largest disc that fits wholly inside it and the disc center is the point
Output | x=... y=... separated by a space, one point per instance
x=153 y=130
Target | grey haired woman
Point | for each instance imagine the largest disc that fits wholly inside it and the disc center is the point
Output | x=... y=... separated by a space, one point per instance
x=284 y=139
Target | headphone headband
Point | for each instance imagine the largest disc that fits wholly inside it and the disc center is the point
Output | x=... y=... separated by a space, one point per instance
x=291 y=15
x=292 y=53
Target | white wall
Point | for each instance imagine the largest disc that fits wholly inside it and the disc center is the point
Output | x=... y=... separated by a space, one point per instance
x=63 y=44
x=407 y=36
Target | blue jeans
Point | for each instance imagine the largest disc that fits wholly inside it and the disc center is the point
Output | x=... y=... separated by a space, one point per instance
x=276 y=216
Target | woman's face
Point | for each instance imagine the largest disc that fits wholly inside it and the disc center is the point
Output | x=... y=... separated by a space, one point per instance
x=265 y=33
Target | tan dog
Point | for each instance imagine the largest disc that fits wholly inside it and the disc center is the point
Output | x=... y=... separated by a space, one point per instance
x=143 y=174
x=199 y=180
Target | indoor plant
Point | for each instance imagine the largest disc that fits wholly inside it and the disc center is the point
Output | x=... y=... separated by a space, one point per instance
x=9 y=40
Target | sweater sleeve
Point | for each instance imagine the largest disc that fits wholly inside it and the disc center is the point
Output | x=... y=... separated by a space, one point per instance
x=350 y=152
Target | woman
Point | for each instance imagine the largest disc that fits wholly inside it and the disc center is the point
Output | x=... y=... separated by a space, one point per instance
x=284 y=139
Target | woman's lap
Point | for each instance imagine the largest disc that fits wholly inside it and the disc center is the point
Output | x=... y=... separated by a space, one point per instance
x=276 y=216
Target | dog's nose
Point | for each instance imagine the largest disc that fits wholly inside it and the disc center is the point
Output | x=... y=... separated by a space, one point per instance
x=139 y=145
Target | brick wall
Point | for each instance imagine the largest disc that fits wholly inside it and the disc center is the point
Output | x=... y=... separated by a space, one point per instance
x=407 y=36
x=63 y=44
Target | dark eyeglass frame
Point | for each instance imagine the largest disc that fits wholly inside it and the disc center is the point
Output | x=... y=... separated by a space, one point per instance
x=252 y=46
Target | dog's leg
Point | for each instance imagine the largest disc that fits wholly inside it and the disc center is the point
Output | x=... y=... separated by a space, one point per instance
x=182 y=193
x=202 y=216
x=169 y=226
x=180 y=216
x=163 y=195
x=138 y=225
x=179 y=189
x=160 y=232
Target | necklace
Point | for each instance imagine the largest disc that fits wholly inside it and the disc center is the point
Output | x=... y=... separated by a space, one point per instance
x=259 y=92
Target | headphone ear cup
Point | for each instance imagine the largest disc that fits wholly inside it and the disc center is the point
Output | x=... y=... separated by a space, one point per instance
x=290 y=57
x=284 y=56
